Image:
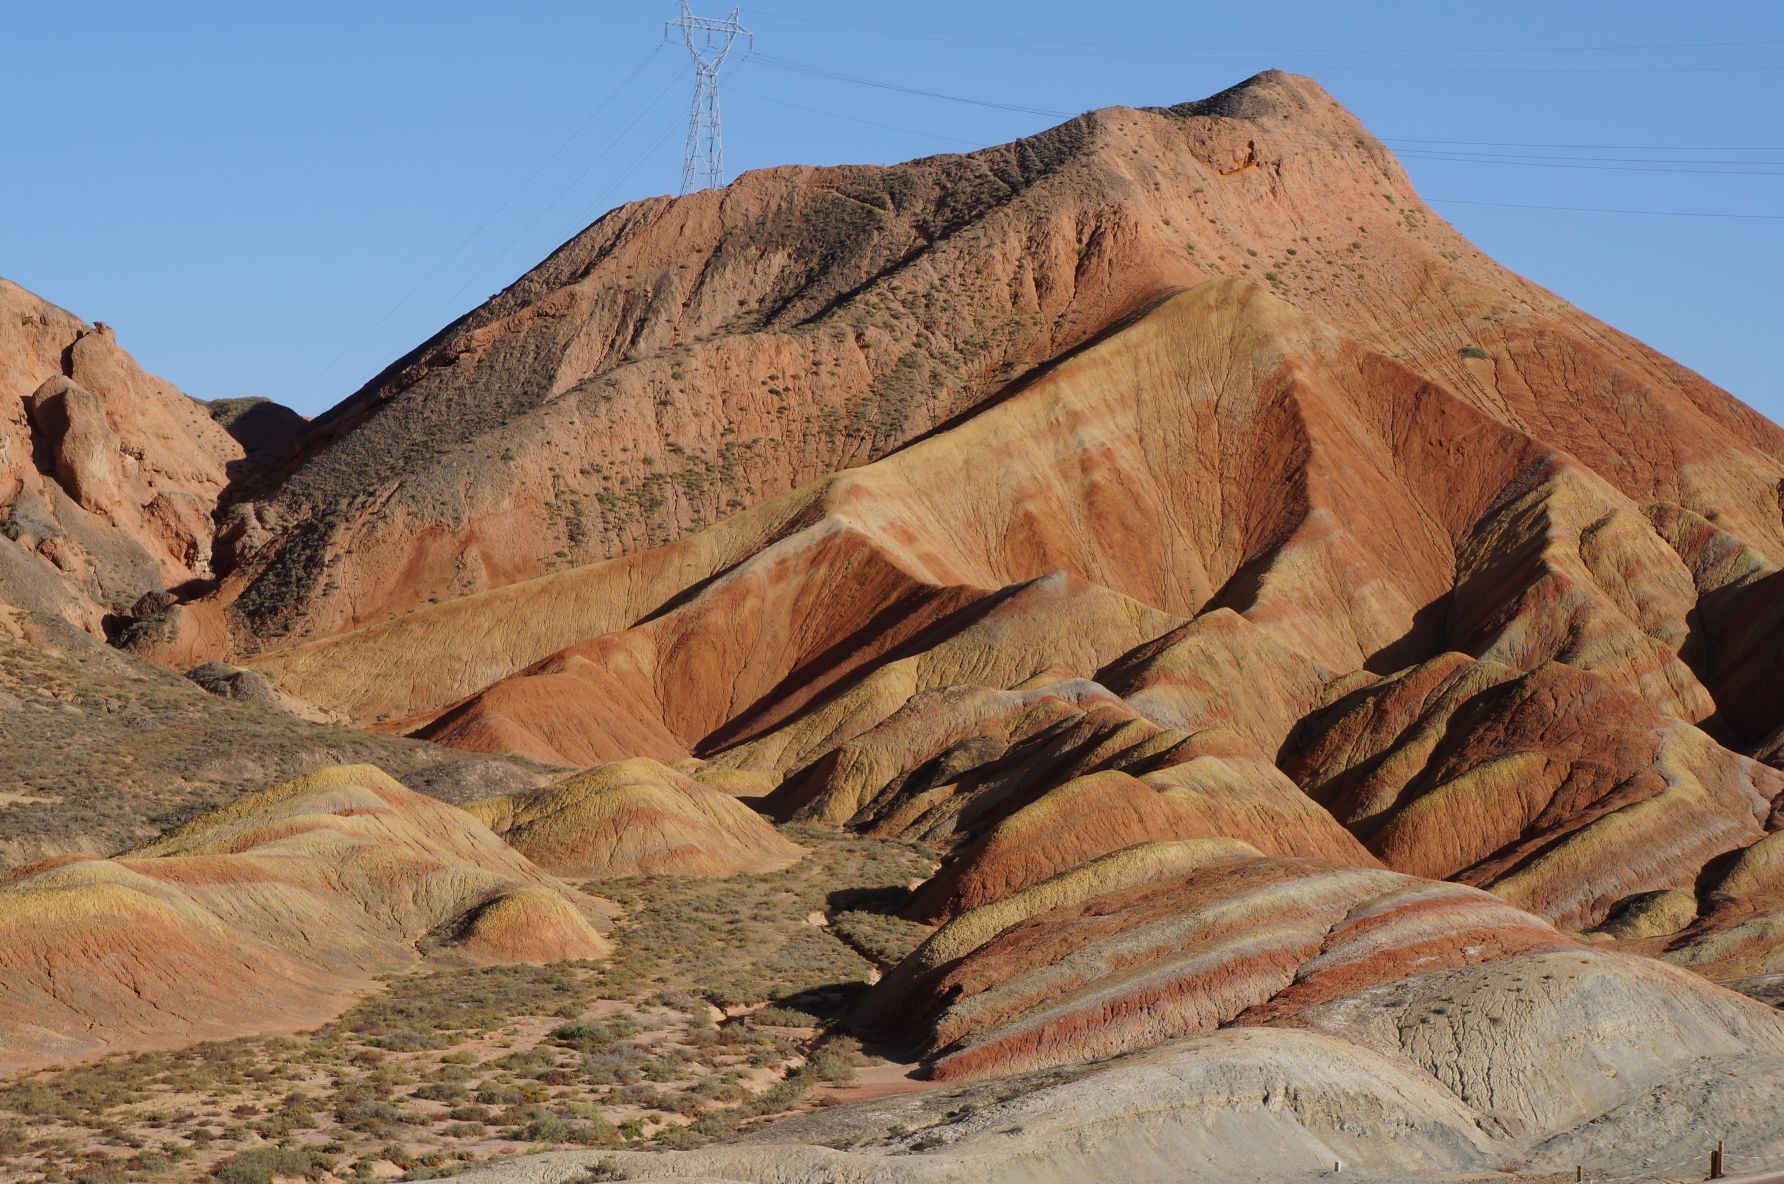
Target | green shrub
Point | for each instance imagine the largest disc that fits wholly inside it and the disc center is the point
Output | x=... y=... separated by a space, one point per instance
x=835 y=1060
x=261 y=1164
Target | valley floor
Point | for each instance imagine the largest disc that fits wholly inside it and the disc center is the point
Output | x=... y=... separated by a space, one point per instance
x=459 y=1067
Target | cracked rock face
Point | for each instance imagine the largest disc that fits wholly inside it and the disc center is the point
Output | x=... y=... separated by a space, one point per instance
x=108 y=476
x=88 y=455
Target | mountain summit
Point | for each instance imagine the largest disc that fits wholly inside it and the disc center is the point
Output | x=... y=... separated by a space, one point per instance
x=683 y=359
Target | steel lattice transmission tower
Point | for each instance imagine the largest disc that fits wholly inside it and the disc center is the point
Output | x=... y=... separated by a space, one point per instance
x=709 y=43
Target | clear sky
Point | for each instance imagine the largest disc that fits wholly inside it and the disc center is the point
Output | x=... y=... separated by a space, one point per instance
x=276 y=198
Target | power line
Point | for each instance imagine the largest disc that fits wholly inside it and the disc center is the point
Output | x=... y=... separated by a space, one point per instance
x=440 y=266
x=655 y=102
x=1512 y=205
x=1640 y=165
x=432 y=320
x=1636 y=165
x=1417 y=154
x=1598 y=147
x=1617 y=159
x=993 y=38
x=1081 y=49
x=430 y=325
x=598 y=207
x=1611 y=168
x=891 y=127
x=1435 y=150
x=820 y=72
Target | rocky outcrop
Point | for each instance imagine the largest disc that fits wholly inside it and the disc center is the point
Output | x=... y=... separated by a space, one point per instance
x=85 y=451
x=251 y=686
x=1251 y=1103
x=939 y=643
x=1296 y=636
x=1514 y=1019
x=109 y=477
x=1020 y=640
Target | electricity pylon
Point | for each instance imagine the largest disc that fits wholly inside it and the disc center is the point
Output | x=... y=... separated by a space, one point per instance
x=709 y=43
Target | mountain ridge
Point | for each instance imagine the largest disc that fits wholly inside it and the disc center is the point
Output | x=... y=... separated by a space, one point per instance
x=1145 y=625
x=1079 y=248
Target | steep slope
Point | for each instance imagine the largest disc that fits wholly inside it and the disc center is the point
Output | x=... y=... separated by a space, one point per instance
x=103 y=752
x=1553 y=788
x=959 y=642
x=1240 y=1103
x=683 y=359
x=268 y=914
x=108 y=476
x=1295 y=428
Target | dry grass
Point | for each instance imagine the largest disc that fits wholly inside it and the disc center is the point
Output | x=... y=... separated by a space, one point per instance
x=104 y=751
x=712 y=1013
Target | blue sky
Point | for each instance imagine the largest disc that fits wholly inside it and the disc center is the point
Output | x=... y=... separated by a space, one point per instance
x=280 y=198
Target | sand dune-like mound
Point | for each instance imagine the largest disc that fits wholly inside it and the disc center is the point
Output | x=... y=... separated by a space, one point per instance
x=872 y=566
x=1251 y=1103
x=266 y=915
x=1208 y=790
x=1336 y=677
x=1729 y=924
x=1181 y=954
x=633 y=818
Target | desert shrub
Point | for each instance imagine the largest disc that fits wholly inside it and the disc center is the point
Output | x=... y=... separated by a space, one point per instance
x=783 y=1015
x=441 y=1091
x=886 y=939
x=373 y=1116
x=615 y=1067
x=261 y=1164
x=546 y=1126
x=835 y=1060
x=492 y=1094
x=594 y=1035
x=743 y=940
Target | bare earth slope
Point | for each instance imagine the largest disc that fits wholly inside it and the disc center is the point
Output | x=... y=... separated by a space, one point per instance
x=1259 y=556
x=1148 y=565
x=1336 y=677
x=680 y=360
x=270 y=913
x=635 y=818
